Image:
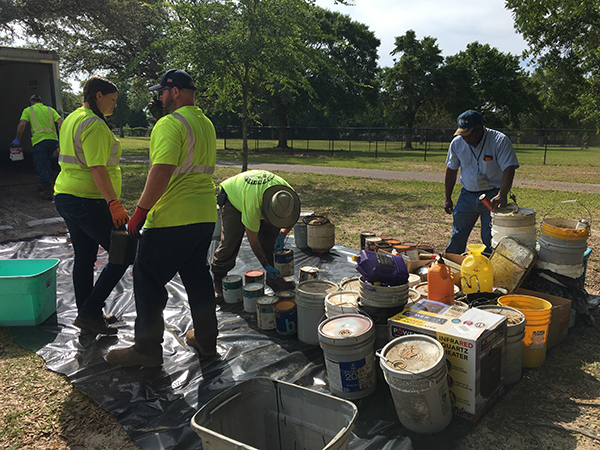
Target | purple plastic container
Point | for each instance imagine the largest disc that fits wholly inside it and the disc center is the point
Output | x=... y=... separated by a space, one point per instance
x=382 y=267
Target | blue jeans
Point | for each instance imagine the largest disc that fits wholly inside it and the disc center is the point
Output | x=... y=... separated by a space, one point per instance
x=89 y=223
x=467 y=210
x=163 y=252
x=42 y=152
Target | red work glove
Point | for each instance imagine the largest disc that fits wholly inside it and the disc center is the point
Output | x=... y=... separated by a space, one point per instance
x=118 y=213
x=137 y=222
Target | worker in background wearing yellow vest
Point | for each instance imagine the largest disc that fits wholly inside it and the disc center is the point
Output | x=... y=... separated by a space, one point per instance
x=43 y=138
x=87 y=191
x=178 y=210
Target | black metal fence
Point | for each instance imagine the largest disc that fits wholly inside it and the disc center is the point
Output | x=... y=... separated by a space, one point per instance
x=331 y=139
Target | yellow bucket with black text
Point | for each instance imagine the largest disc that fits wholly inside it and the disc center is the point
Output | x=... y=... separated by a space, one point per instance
x=537 y=313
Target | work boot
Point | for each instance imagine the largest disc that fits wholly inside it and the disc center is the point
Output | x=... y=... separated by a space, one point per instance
x=280 y=283
x=129 y=357
x=45 y=191
x=190 y=339
x=96 y=325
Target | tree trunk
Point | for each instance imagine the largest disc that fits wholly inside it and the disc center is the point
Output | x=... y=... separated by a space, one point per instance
x=282 y=131
x=409 y=138
x=245 y=126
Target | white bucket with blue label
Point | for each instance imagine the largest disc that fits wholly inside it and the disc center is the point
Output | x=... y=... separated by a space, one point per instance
x=348 y=341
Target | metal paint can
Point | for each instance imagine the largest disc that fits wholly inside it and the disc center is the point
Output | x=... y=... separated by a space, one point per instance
x=308 y=273
x=254 y=276
x=265 y=314
x=286 y=295
x=286 y=319
x=284 y=262
x=363 y=236
x=371 y=243
x=232 y=289
x=252 y=291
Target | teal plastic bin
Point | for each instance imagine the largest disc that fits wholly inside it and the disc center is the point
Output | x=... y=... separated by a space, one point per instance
x=27 y=291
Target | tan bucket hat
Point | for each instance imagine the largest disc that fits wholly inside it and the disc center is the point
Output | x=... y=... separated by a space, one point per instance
x=281 y=206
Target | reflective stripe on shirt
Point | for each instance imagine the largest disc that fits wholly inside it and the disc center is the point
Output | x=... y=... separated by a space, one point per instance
x=34 y=128
x=188 y=165
x=79 y=158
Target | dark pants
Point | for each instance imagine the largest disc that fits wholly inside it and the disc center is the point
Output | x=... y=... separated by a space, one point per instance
x=42 y=152
x=163 y=252
x=89 y=223
x=232 y=234
x=466 y=212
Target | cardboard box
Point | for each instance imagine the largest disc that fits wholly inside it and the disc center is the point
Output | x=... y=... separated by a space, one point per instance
x=559 y=320
x=473 y=340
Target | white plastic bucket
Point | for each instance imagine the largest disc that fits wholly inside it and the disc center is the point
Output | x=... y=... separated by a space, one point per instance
x=512 y=357
x=560 y=251
x=265 y=314
x=310 y=303
x=350 y=284
x=526 y=235
x=382 y=296
x=417 y=379
x=341 y=302
x=252 y=291
x=232 y=288
x=347 y=342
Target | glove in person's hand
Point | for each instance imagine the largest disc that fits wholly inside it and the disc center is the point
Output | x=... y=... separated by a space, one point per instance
x=279 y=243
x=118 y=213
x=137 y=222
x=16 y=142
x=272 y=271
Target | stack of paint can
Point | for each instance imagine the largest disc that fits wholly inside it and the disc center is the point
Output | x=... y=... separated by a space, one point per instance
x=253 y=289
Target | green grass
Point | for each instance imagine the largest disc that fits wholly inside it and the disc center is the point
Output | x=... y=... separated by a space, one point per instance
x=561 y=163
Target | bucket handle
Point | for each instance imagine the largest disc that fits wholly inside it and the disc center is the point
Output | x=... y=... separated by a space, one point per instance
x=569 y=201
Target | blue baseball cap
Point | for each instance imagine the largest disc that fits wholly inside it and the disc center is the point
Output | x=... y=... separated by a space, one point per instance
x=467 y=121
x=175 y=78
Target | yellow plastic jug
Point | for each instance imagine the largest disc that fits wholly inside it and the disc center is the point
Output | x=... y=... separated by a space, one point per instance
x=476 y=273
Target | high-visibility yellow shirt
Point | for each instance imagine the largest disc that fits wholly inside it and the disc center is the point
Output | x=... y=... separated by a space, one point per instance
x=41 y=118
x=245 y=192
x=86 y=141
x=187 y=140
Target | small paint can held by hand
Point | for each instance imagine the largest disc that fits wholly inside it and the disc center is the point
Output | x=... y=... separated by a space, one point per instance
x=284 y=262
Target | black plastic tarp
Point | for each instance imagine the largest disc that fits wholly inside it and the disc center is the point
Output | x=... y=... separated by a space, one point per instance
x=155 y=405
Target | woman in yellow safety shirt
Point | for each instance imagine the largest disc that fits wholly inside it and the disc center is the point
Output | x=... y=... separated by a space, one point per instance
x=87 y=193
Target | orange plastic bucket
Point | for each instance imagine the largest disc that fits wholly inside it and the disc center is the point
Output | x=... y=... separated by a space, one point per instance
x=537 y=314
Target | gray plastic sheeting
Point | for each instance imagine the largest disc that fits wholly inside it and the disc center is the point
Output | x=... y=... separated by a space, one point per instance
x=155 y=405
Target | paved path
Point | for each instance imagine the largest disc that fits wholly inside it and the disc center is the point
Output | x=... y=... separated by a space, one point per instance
x=411 y=176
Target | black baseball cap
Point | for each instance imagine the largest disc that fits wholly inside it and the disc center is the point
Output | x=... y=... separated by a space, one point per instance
x=175 y=78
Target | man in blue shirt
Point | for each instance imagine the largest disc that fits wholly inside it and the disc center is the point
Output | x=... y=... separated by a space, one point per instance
x=487 y=161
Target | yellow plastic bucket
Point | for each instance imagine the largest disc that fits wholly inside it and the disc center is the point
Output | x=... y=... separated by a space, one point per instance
x=537 y=313
x=565 y=229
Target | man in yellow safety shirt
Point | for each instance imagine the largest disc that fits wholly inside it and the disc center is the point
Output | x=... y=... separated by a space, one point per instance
x=264 y=207
x=178 y=210
x=43 y=138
